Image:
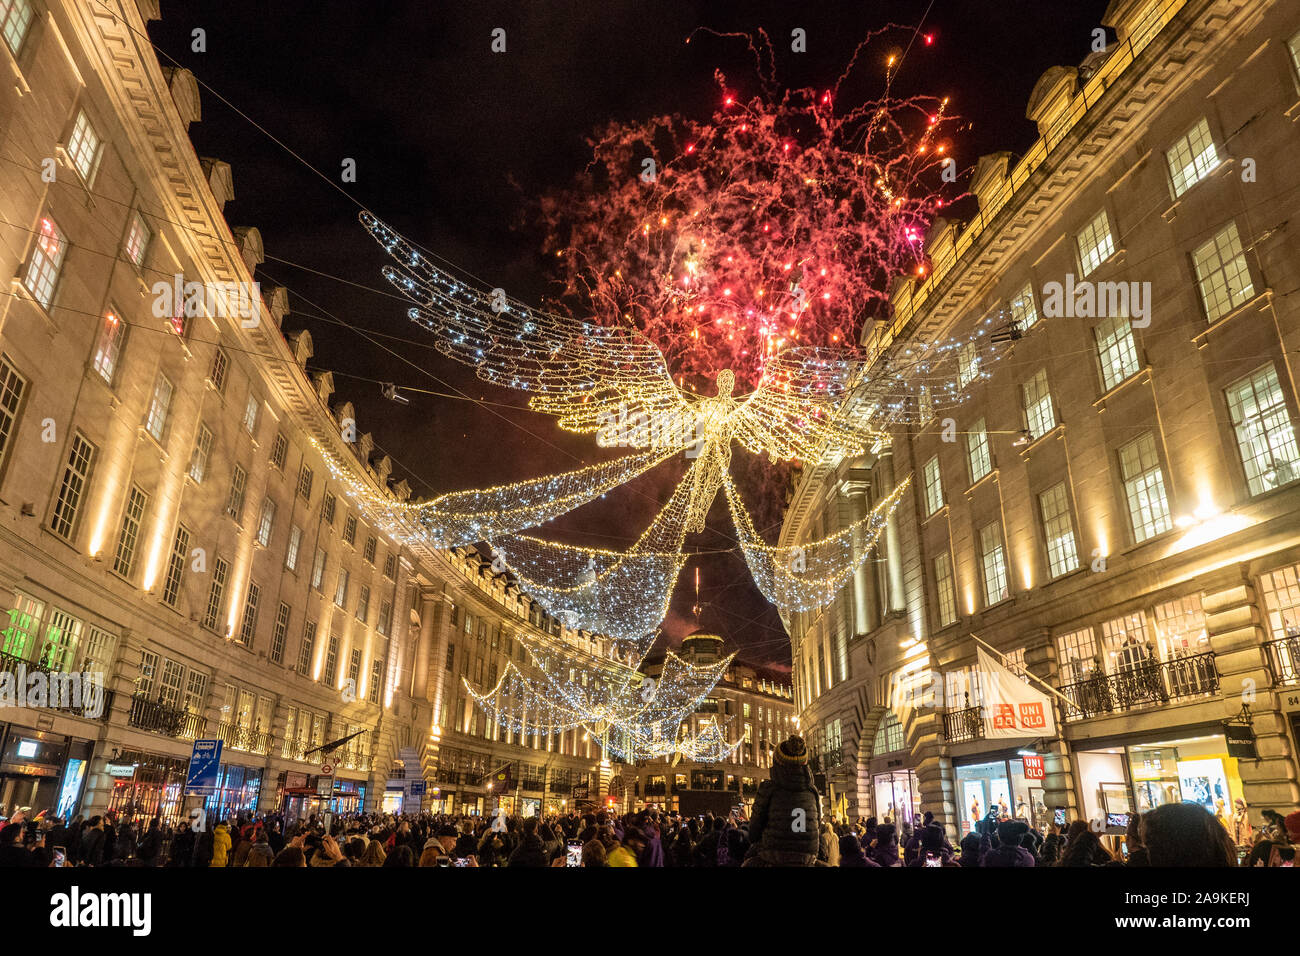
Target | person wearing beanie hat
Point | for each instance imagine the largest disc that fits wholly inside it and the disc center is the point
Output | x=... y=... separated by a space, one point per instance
x=1009 y=852
x=783 y=828
x=885 y=852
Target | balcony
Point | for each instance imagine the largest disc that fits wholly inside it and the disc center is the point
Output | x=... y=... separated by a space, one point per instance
x=1150 y=685
x=960 y=726
x=156 y=717
x=293 y=749
x=1284 y=660
x=246 y=739
x=9 y=664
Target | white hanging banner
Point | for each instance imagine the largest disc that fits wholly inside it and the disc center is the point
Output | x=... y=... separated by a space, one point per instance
x=1010 y=707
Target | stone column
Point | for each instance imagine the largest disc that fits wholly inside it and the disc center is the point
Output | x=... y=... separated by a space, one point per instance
x=121 y=680
x=1237 y=637
x=866 y=614
x=1059 y=788
x=893 y=546
x=420 y=665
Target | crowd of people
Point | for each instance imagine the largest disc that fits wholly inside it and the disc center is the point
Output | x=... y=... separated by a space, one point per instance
x=784 y=829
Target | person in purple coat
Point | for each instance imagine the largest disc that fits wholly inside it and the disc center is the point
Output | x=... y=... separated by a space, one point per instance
x=851 y=852
x=885 y=852
x=1009 y=852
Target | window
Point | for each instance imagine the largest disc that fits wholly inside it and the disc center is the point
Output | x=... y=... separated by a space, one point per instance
x=390 y=567
x=59 y=647
x=148 y=673
x=1180 y=628
x=341 y=589
x=129 y=534
x=156 y=422
x=76 y=475
x=385 y=623
x=173 y=683
x=278 y=451
x=279 y=632
x=369 y=552
x=1265 y=433
x=307 y=648
x=318 y=568
x=993 y=560
x=1077 y=655
x=1058 y=528
x=12 y=388
x=1191 y=158
x=199 y=456
x=363 y=604
x=291 y=553
x=451 y=656
x=250 y=415
x=249 y=626
x=1095 y=244
x=1023 y=311
x=83 y=146
x=354 y=666
x=1222 y=274
x=1293 y=45
x=327 y=509
x=266 y=522
x=889 y=735
x=1040 y=415
x=968 y=364
x=137 y=240
x=1281 y=591
x=196 y=691
x=15 y=18
x=220 y=366
x=1116 y=351
x=945 y=589
x=376 y=679
x=24 y=621
x=304 y=483
x=235 y=503
x=1144 y=487
x=176 y=566
x=97 y=655
x=108 y=350
x=933 y=486
x=977 y=451
x=350 y=529
x=332 y=660
x=47 y=259
x=216 y=589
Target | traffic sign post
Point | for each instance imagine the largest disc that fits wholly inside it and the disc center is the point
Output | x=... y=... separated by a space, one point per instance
x=205 y=768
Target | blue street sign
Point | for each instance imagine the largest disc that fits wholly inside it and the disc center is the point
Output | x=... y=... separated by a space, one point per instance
x=417 y=787
x=205 y=767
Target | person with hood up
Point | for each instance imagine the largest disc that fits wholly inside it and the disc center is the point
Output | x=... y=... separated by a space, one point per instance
x=1009 y=852
x=531 y=851
x=885 y=852
x=625 y=853
x=220 y=845
x=828 y=845
x=851 y=852
x=783 y=827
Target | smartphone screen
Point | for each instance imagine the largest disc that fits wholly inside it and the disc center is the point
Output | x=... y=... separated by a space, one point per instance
x=60 y=856
x=574 y=856
x=932 y=859
x=461 y=861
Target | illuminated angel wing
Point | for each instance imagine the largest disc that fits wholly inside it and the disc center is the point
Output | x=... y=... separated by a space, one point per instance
x=593 y=378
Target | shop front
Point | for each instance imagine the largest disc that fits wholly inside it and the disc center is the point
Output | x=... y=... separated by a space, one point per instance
x=996 y=784
x=32 y=766
x=348 y=796
x=148 y=785
x=237 y=792
x=1122 y=777
x=895 y=792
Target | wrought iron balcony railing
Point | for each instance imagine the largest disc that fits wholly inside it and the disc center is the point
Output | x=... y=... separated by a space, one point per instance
x=1284 y=660
x=1146 y=685
x=156 y=717
x=962 y=725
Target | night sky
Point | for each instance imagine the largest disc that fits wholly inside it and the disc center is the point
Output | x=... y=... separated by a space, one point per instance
x=453 y=143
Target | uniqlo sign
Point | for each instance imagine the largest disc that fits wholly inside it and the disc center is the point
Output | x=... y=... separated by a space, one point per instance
x=1034 y=768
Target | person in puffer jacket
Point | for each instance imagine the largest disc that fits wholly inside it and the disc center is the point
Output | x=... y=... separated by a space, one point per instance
x=1009 y=852
x=220 y=845
x=783 y=829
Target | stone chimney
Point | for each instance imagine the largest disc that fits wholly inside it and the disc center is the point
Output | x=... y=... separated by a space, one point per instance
x=220 y=180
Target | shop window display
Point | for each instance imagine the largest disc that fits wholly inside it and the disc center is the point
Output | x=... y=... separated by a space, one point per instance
x=999 y=788
x=897 y=792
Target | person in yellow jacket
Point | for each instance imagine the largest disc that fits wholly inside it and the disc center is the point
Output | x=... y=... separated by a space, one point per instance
x=220 y=845
x=625 y=853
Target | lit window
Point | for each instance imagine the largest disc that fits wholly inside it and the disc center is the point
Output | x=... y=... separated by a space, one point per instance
x=1180 y=628
x=1265 y=433
x=15 y=18
x=1144 y=487
x=1076 y=654
x=108 y=350
x=47 y=259
x=137 y=240
x=977 y=451
x=72 y=490
x=266 y=522
x=1058 y=528
x=180 y=553
x=307 y=648
x=968 y=364
x=327 y=509
x=235 y=502
x=249 y=627
x=278 y=452
x=1095 y=243
x=993 y=559
x=1222 y=274
x=1281 y=591
x=363 y=604
x=1023 y=311
x=1116 y=351
x=216 y=591
x=331 y=660
x=341 y=588
x=304 y=483
x=369 y=552
x=83 y=147
x=1040 y=416
x=220 y=365
x=156 y=423
x=250 y=415
x=12 y=388
x=129 y=534
x=291 y=554
x=945 y=588
x=390 y=566
x=933 y=486
x=1191 y=158
x=199 y=456
x=318 y=568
